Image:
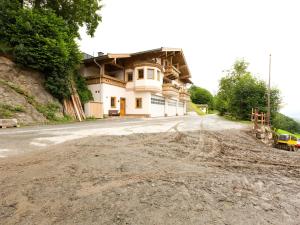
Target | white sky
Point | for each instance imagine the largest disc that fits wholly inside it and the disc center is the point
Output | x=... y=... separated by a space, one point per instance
x=212 y=34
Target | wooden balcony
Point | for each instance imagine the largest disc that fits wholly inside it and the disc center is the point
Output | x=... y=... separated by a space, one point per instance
x=170 y=90
x=106 y=79
x=171 y=72
x=184 y=95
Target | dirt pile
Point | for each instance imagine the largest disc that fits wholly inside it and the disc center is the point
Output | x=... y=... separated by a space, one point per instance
x=19 y=89
x=203 y=177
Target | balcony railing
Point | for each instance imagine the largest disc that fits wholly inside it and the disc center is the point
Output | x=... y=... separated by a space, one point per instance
x=184 y=95
x=171 y=72
x=106 y=79
x=171 y=90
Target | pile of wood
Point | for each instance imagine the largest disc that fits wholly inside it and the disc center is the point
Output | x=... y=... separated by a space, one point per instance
x=73 y=107
x=261 y=129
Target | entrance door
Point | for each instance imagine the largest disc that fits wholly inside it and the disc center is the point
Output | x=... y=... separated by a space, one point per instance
x=122 y=106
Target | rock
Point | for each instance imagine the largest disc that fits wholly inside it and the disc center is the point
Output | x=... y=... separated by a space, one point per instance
x=29 y=81
x=5 y=123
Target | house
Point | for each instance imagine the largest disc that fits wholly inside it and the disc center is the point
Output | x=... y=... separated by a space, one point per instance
x=150 y=83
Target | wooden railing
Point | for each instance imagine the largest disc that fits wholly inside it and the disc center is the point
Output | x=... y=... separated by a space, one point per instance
x=171 y=72
x=106 y=79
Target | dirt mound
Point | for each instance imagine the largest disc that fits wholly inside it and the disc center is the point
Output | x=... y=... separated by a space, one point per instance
x=19 y=87
x=202 y=177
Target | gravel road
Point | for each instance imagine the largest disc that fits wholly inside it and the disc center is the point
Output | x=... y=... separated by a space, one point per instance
x=188 y=170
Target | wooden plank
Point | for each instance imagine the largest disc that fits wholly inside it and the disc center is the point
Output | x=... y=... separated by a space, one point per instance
x=76 y=109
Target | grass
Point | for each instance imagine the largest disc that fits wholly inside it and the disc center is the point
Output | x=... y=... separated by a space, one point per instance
x=191 y=107
x=280 y=131
x=48 y=110
x=234 y=119
x=8 y=111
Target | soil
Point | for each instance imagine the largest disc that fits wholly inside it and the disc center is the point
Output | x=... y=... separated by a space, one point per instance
x=199 y=177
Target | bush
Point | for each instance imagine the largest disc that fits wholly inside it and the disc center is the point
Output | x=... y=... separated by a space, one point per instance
x=41 y=40
x=239 y=92
x=201 y=96
x=84 y=93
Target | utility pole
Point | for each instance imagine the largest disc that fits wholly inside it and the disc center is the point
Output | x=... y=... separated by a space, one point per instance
x=269 y=94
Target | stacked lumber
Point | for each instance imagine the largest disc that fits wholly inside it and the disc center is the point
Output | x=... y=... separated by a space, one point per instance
x=73 y=107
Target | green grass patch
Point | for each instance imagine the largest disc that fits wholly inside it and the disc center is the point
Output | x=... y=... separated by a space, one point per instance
x=280 y=131
x=232 y=118
x=191 y=107
x=49 y=110
x=8 y=111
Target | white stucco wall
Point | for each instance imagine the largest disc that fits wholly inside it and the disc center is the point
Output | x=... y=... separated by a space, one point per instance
x=96 y=91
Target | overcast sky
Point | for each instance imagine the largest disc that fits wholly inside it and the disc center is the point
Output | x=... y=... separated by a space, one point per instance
x=212 y=34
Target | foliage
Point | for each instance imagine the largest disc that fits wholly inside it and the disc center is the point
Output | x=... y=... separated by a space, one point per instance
x=76 y=13
x=41 y=35
x=8 y=111
x=283 y=122
x=49 y=110
x=239 y=92
x=84 y=93
x=201 y=96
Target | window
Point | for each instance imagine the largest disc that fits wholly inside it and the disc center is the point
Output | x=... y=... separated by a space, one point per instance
x=150 y=74
x=158 y=75
x=157 y=100
x=138 y=103
x=129 y=76
x=141 y=74
x=113 y=102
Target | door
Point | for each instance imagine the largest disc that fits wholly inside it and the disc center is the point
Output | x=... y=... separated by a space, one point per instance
x=122 y=107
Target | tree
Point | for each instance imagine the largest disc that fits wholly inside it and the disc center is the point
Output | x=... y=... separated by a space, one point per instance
x=283 y=122
x=76 y=13
x=201 y=96
x=41 y=39
x=239 y=92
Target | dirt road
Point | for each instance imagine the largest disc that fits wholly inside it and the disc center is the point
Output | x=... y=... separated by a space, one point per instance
x=194 y=172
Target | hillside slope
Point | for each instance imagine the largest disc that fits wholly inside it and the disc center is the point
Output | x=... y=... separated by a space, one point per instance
x=23 y=95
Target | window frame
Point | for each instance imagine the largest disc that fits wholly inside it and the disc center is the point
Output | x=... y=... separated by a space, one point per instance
x=153 y=77
x=136 y=103
x=114 y=101
x=138 y=74
x=127 y=76
x=158 y=73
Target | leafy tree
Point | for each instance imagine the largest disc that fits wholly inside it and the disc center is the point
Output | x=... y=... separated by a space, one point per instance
x=283 y=122
x=40 y=39
x=239 y=92
x=75 y=13
x=201 y=96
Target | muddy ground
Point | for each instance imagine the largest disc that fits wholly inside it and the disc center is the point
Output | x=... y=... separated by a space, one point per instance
x=200 y=177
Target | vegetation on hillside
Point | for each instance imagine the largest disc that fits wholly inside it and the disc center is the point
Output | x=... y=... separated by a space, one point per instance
x=283 y=122
x=40 y=34
x=201 y=96
x=239 y=92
